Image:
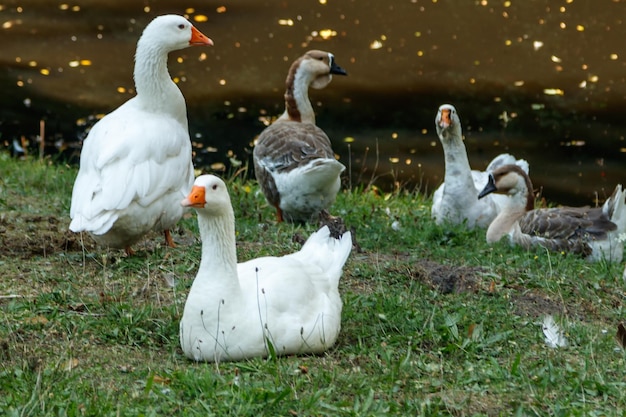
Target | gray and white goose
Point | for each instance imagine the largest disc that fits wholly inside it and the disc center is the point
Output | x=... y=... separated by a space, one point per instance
x=590 y=232
x=294 y=162
x=456 y=200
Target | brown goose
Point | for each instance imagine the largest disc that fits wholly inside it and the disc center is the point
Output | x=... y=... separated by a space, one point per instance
x=591 y=232
x=294 y=161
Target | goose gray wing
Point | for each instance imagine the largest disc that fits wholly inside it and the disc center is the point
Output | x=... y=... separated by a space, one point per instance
x=566 y=228
x=286 y=145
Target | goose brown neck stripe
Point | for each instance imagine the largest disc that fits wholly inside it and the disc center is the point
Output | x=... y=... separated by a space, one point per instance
x=290 y=101
x=530 y=195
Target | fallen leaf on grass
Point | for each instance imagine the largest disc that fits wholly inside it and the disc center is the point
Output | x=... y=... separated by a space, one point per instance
x=621 y=335
x=170 y=280
x=71 y=364
x=126 y=368
x=470 y=330
x=36 y=320
x=161 y=379
x=79 y=308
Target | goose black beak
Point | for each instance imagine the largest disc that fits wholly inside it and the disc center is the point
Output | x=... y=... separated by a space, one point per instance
x=489 y=188
x=336 y=69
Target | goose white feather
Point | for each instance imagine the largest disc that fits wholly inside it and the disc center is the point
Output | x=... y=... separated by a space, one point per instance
x=136 y=163
x=591 y=232
x=269 y=305
x=456 y=200
x=554 y=336
x=294 y=161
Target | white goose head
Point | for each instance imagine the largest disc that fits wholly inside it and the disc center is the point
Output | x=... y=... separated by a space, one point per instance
x=171 y=33
x=209 y=196
x=447 y=122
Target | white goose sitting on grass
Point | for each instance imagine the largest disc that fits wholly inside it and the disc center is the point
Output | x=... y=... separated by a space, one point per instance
x=135 y=164
x=591 y=232
x=294 y=162
x=456 y=200
x=263 y=307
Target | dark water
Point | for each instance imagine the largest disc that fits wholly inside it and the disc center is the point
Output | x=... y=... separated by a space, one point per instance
x=544 y=80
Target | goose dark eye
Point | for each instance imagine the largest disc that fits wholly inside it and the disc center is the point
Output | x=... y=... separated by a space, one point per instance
x=181 y=26
x=214 y=186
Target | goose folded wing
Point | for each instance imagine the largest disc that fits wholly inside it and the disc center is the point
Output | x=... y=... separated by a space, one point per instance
x=141 y=173
x=557 y=223
x=292 y=144
x=566 y=229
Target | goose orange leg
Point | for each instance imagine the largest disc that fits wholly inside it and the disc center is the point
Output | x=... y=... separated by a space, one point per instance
x=279 y=215
x=168 y=239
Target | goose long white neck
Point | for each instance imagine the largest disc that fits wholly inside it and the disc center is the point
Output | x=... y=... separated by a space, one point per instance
x=457 y=165
x=155 y=89
x=219 y=253
x=297 y=103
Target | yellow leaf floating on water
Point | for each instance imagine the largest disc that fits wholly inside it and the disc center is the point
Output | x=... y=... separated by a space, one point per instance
x=553 y=91
x=218 y=166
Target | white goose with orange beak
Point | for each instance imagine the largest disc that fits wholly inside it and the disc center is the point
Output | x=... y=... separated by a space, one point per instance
x=135 y=164
x=263 y=307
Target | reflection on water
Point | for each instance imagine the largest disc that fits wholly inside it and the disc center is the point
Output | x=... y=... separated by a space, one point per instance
x=544 y=80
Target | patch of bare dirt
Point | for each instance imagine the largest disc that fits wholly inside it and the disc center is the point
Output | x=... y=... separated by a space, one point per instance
x=533 y=304
x=26 y=235
x=448 y=278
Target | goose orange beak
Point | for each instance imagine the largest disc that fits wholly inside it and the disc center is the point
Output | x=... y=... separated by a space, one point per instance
x=445 y=118
x=199 y=38
x=196 y=198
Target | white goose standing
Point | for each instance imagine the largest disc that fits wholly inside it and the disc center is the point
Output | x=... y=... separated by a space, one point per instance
x=456 y=200
x=294 y=162
x=135 y=164
x=592 y=232
x=269 y=305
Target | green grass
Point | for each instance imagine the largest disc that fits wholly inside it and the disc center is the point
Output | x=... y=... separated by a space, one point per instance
x=435 y=321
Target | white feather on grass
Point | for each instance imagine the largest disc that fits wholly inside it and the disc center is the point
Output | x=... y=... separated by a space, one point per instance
x=554 y=334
